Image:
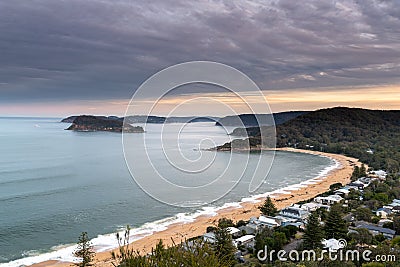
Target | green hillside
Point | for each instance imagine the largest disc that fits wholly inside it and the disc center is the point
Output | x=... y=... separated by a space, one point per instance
x=373 y=136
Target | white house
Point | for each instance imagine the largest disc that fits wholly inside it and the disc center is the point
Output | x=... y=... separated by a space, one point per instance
x=209 y=237
x=246 y=240
x=395 y=203
x=235 y=232
x=294 y=213
x=380 y=174
x=383 y=212
x=269 y=222
x=329 y=200
x=342 y=191
x=310 y=206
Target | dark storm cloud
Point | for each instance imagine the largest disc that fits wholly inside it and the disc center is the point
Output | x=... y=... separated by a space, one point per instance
x=98 y=49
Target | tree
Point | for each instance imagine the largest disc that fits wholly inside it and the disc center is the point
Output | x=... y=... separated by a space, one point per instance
x=363 y=214
x=313 y=233
x=189 y=253
x=225 y=222
x=84 y=251
x=224 y=248
x=268 y=208
x=363 y=236
x=363 y=171
x=335 y=226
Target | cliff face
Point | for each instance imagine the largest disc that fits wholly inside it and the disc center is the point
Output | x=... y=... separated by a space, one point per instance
x=87 y=123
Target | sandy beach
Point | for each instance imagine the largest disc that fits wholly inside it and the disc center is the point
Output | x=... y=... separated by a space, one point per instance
x=179 y=232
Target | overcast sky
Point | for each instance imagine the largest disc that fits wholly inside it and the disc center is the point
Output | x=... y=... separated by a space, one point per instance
x=53 y=51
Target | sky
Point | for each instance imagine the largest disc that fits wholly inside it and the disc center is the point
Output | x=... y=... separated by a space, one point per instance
x=59 y=58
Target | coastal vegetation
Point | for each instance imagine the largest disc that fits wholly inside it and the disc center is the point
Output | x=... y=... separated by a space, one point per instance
x=268 y=207
x=249 y=120
x=86 y=123
x=372 y=136
x=189 y=253
x=84 y=251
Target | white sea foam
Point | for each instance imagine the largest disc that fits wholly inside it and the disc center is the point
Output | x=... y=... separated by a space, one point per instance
x=108 y=241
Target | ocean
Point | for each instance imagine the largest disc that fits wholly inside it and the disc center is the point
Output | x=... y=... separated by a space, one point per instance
x=54 y=184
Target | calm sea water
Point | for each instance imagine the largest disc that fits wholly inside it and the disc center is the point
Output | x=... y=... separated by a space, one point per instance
x=54 y=184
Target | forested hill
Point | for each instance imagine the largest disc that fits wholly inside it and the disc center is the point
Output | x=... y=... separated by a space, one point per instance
x=251 y=120
x=373 y=136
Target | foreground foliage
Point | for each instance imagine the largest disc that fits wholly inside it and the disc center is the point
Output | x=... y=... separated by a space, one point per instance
x=193 y=253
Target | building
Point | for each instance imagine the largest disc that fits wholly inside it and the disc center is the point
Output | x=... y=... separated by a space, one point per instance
x=365 y=180
x=379 y=174
x=269 y=222
x=383 y=212
x=294 y=213
x=252 y=227
x=209 y=238
x=375 y=230
x=235 y=232
x=343 y=191
x=382 y=222
x=329 y=200
x=312 y=206
x=246 y=240
x=357 y=185
x=395 y=203
x=396 y=209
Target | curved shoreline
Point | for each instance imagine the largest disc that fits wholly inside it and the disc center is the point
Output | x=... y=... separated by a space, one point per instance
x=180 y=231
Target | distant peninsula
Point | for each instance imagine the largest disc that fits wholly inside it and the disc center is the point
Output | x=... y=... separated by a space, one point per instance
x=252 y=120
x=89 y=123
x=373 y=136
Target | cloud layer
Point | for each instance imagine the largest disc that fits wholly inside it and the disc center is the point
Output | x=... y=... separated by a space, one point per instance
x=104 y=49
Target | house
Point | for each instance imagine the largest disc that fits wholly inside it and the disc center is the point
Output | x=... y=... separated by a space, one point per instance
x=285 y=220
x=252 y=227
x=356 y=185
x=382 y=222
x=329 y=200
x=312 y=206
x=383 y=212
x=294 y=213
x=235 y=232
x=269 y=222
x=375 y=230
x=342 y=191
x=395 y=203
x=396 y=209
x=365 y=180
x=379 y=174
x=246 y=240
x=300 y=225
x=209 y=237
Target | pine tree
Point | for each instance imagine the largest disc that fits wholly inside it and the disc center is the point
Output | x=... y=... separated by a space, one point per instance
x=224 y=248
x=335 y=226
x=363 y=171
x=84 y=251
x=268 y=208
x=313 y=233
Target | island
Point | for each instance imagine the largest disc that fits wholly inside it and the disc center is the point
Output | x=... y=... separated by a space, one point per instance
x=90 y=123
